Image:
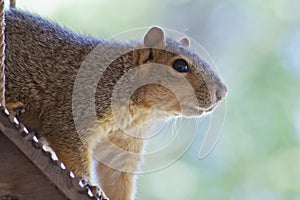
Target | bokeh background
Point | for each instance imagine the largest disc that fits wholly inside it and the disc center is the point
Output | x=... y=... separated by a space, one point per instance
x=256 y=46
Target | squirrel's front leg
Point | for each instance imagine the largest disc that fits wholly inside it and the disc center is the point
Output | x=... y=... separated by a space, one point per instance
x=119 y=157
x=117 y=185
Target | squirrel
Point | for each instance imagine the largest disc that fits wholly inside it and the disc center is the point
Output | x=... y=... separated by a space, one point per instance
x=42 y=62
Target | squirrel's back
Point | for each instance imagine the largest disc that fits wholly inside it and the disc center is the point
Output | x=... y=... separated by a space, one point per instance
x=42 y=58
x=39 y=50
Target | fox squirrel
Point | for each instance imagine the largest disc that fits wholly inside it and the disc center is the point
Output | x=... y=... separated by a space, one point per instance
x=42 y=62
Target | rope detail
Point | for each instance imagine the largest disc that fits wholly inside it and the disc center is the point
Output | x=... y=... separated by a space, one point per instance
x=2 y=55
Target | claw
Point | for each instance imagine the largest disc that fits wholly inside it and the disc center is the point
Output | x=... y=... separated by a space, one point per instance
x=15 y=109
x=97 y=192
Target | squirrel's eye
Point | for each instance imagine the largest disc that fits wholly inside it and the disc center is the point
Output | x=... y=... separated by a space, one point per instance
x=181 y=65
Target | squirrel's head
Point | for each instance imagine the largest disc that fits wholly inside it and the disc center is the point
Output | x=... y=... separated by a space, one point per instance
x=173 y=80
x=159 y=76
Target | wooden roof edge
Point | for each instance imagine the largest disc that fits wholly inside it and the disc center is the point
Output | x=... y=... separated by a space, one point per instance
x=53 y=169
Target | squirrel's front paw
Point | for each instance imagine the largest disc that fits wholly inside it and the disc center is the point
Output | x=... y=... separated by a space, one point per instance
x=98 y=192
x=15 y=109
x=95 y=190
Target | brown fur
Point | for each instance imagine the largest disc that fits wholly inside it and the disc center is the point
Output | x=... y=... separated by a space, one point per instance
x=42 y=62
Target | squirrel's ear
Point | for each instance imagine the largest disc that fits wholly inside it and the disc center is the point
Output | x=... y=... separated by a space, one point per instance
x=155 y=37
x=185 y=41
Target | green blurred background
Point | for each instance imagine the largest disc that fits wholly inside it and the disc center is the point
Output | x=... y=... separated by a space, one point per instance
x=256 y=46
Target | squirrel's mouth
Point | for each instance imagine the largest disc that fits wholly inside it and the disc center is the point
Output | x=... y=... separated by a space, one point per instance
x=211 y=108
x=190 y=111
x=196 y=111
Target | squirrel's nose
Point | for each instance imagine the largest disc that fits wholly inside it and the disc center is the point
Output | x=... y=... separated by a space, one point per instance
x=221 y=91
